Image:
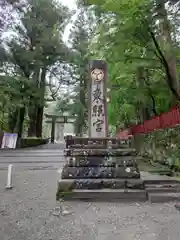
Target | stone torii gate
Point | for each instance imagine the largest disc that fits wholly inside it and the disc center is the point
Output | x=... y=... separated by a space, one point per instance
x=54 y=119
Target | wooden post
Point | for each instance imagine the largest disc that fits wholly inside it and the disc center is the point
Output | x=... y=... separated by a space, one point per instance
x=9 y=177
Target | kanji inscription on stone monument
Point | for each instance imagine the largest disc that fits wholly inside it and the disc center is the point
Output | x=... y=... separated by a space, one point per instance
x=97 y=96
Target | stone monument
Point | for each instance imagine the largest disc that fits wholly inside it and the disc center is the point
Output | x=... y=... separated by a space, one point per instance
x=98 y=126
x=99 y=167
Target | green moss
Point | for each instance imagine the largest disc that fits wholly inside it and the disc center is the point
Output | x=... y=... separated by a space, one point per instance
x=161 y=147
x=32 y=142
x=64 y=190
x=63 y=194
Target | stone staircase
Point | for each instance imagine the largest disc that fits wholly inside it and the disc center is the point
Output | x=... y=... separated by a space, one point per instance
x=106 y=170
x=162 y=190
x=103 y=190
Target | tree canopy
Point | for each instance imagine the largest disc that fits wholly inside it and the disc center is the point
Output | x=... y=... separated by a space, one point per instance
x=139 y=40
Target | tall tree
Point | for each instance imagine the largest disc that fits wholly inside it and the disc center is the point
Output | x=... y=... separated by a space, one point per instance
x=7 y=8
x=35 y=50
x=129 y=38
x=80 y=37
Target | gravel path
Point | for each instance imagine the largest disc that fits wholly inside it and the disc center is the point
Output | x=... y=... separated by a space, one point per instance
x=26 y=213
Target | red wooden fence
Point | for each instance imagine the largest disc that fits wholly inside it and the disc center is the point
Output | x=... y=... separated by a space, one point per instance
x=165 y=120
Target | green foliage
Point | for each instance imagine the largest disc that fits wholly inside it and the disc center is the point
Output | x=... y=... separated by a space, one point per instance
x=79 y=41
x=137 y=76
x=32 y=56
x=139 y=39
x=161 y=147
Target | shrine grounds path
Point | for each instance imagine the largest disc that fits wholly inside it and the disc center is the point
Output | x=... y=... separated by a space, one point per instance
x=26 y=211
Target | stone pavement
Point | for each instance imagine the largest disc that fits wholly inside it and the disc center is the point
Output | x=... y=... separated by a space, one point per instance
x=26 y=212
x=33 y=158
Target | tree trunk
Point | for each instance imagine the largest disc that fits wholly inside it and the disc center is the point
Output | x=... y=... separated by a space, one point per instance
x=152 y=109
x=167 y=46
x=53 y=130
x=82 y=115
x=39 y=121
x=143 y=112
x=32 y=113
x=40 y=109
x=21 y=117
x=12 y=120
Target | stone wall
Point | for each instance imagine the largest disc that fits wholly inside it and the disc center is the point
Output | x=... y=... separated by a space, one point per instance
x=161 y=146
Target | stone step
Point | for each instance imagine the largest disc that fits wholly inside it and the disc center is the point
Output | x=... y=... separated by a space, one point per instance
x=109 y=195
x=97 y=161
x=97 y=146
x=167 y=187
x=161 y=181
x=101 y=184
x=100 y=172
x=96 y=164
x=162 y=172
x=86 y=140
x=101 y=152
x=163 y=190
x=163 y=197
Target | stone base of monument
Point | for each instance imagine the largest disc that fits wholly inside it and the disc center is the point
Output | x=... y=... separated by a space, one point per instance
x=100 y=171
x=101 y=184
x=109 y=195
x=92 y=172
x=122 y=190
x=102 y=190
